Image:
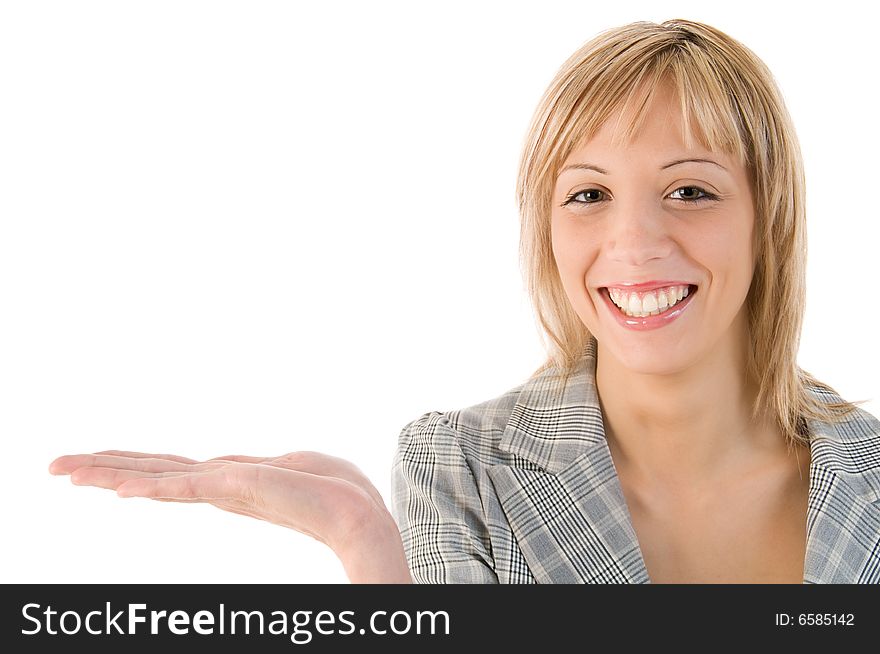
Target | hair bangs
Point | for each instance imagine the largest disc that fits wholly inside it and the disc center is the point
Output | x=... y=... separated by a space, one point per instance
x=708 y=111
x=708 y=114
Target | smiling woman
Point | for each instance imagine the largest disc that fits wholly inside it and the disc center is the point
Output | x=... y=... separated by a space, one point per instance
x=670 y=239
x=670 y=436
x=702 y=104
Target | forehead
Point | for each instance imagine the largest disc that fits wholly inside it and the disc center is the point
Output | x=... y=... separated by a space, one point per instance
x=658 y=122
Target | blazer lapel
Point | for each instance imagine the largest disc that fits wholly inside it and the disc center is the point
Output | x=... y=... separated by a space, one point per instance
x=561 y=494
x=843 y=518
x=566 y=508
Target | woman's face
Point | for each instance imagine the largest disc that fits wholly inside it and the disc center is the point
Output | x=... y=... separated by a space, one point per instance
x=638 y=215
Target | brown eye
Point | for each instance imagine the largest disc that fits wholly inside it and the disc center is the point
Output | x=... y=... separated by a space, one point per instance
x=693 y=194
x=589 y=195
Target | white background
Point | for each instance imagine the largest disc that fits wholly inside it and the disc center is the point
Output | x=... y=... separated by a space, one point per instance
x=257 y=227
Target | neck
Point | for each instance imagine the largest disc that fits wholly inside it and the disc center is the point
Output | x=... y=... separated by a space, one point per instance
x=684 y=429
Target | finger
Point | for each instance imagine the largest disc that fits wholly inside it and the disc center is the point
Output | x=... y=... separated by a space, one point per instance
x=143 y=455
x=259 y=488
x=197 y=486
x=239 y=458
x=66 y=464
x=110 y=478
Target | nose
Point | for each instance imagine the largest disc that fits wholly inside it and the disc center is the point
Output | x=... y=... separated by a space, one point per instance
x=637 y=233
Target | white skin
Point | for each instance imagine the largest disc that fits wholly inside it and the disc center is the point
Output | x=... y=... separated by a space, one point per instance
x=671 y=397
x=676 y=400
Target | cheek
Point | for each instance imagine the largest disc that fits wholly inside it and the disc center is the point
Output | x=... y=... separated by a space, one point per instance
x=734 y=248
x=573 y=248
x=725 y=250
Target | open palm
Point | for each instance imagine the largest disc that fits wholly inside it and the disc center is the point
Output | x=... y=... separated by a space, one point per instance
x=323 y=496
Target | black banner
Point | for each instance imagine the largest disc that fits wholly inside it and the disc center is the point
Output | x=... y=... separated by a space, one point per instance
x=276 y=618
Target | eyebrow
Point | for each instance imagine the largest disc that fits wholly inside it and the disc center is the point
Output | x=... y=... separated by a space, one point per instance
x=587 y=166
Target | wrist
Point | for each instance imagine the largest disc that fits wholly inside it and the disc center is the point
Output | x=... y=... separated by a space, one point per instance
x=373 y=553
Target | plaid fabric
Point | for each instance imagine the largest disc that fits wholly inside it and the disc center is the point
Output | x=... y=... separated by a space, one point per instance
x=522 y=489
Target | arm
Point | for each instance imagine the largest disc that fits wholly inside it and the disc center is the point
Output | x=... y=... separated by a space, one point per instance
x=436 y=503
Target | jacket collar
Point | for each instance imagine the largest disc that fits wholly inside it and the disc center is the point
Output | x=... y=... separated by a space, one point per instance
x=556 y=435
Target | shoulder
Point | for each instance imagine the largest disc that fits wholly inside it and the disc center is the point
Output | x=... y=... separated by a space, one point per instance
x=546 y=421
x=857 y=426
x=442 y=498
x=848 y=446
x=474 y=431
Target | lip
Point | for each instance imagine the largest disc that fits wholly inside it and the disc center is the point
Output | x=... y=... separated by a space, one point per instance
x=647 y=286
x=649 y=322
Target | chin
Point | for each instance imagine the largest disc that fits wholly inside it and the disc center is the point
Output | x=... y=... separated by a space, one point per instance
x=645 y=359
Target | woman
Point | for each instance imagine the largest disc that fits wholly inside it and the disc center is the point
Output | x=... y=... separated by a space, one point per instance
x=670 y=436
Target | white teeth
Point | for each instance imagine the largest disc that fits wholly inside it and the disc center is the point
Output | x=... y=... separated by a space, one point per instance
x=650 y=304
x=635 y=305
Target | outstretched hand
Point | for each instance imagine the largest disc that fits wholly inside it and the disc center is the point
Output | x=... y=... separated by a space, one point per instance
x=323 y=496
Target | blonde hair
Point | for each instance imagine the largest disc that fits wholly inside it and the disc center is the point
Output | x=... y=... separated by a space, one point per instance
x=730 y=100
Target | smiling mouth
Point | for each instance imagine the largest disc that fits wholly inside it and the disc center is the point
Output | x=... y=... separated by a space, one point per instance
x=648 y=303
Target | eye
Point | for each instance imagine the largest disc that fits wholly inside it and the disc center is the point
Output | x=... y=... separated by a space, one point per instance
x=692 y=196
x=590 y=191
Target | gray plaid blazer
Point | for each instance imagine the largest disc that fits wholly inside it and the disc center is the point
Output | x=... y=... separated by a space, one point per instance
x=522 y=489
